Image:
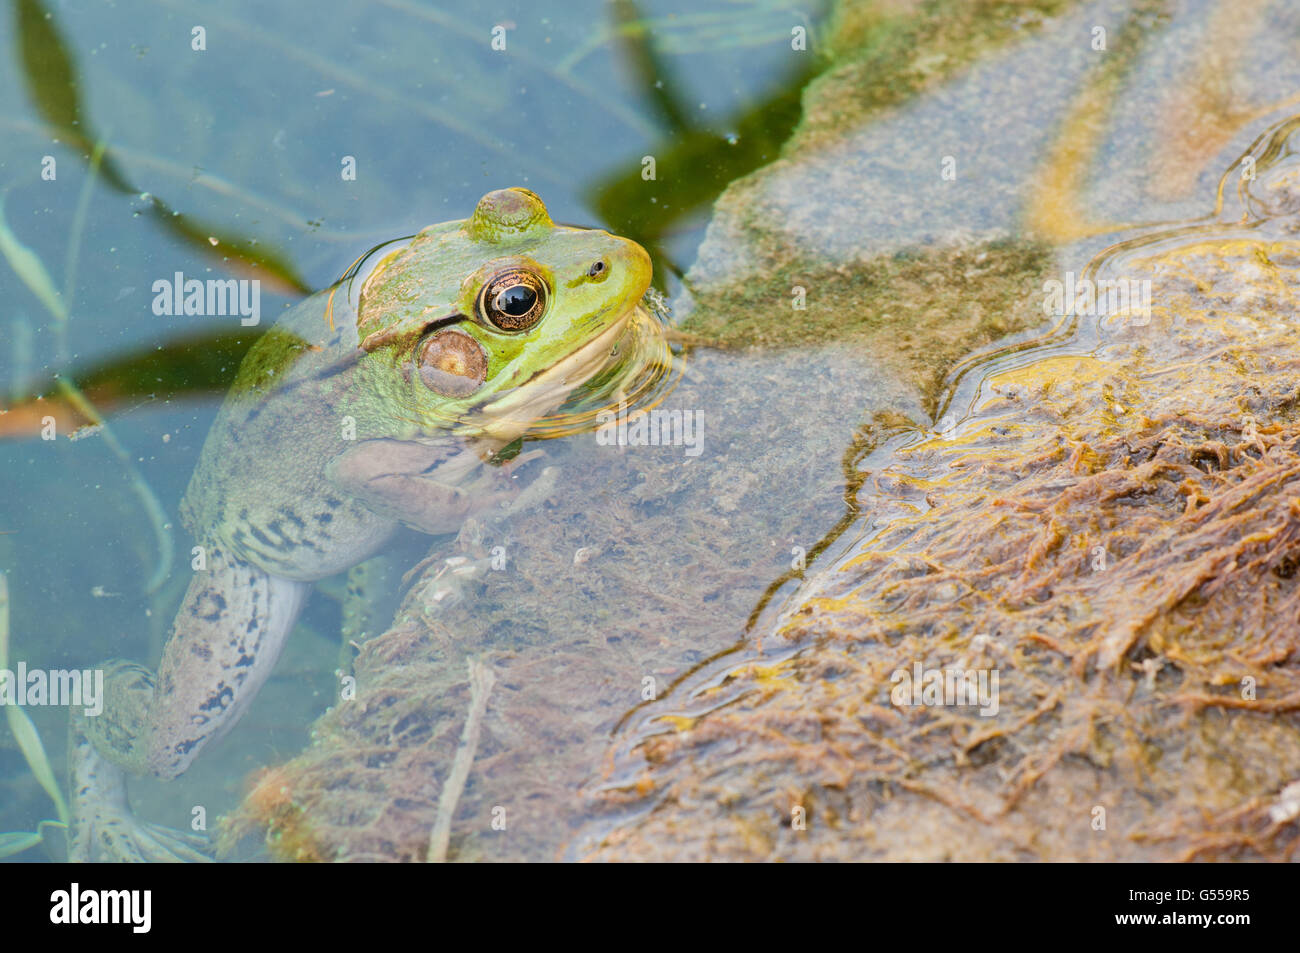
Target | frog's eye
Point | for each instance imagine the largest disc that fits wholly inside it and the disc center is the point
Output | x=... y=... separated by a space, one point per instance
x=513 y=300
x=451 y=363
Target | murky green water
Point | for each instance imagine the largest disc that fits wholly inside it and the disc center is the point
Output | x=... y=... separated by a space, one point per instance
x=853 y=213
x=283 y=149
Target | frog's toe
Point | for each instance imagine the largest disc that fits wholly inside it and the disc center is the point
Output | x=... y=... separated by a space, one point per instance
x=544 y=486
x=454 y=582
x=167 y=845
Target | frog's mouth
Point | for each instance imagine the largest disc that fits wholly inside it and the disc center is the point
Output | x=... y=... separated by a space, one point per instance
x=508 y=416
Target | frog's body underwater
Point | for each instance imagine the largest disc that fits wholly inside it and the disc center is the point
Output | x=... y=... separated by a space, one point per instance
x=355 y=414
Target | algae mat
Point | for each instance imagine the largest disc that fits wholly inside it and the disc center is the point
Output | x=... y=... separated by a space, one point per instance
x=1068 y=629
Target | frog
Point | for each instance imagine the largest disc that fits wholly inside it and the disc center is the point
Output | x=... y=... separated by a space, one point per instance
x=382 y=402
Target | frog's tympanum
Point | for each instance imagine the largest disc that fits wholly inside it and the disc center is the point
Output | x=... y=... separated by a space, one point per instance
x=369 y=406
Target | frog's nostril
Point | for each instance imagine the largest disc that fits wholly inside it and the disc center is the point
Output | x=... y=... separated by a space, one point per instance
x=598 y=269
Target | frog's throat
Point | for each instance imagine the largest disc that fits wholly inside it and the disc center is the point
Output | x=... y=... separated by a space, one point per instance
x=511 y=414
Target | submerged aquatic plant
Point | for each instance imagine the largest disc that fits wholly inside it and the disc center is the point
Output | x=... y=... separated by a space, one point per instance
x=29 y=743
x=29 y=267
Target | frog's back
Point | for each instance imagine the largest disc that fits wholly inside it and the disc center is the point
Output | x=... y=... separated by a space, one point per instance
x=260 y=487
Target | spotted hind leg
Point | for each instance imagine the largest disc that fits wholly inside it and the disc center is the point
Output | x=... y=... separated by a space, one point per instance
x=228 y=634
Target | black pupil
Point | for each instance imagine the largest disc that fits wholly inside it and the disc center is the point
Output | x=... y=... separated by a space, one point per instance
x=517 y=300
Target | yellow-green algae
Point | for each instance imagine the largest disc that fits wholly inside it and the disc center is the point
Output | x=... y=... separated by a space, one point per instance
x=917 y=313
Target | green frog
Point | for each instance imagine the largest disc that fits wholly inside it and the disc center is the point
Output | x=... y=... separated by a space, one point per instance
x=372 y=405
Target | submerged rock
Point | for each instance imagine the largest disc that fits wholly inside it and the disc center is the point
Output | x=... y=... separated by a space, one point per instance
x=643 y=562
x=1068 y=627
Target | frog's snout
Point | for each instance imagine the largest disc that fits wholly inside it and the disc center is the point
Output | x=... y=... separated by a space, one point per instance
x=639 y=267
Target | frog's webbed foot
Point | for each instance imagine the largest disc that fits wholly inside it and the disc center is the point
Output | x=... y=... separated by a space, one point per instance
x=119 y=838
x=470 y=566
x=458 y=577
x=103 y=828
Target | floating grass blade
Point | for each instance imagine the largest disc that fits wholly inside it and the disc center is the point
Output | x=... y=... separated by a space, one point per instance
x=53 y=82
x=148 y=499
x=28 y=266
x=74 y=240
x=54 y=88
x=18 y=841
x=15 y=842
x=29 y=740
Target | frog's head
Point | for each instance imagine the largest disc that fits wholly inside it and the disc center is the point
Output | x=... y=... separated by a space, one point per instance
x=491 y=322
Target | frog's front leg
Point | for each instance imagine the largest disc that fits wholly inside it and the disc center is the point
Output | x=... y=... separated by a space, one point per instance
x=430 y=487
x=225 y=641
